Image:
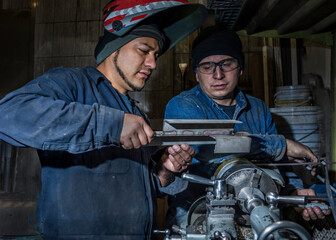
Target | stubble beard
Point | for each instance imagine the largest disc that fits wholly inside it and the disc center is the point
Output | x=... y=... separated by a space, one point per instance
x=122 y=75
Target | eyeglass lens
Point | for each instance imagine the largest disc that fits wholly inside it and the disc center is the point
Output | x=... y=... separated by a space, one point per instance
x=225 y=65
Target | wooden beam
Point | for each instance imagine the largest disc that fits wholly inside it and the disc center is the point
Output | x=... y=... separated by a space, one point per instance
x=261 y=14
x=299 y=15
x=323 y=24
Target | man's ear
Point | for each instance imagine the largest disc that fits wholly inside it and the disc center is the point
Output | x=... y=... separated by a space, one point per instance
x=197 y=77
x=241 y=72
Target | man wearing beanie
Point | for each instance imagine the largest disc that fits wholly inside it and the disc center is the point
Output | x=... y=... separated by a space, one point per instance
x=99 y=180
x=218 y=62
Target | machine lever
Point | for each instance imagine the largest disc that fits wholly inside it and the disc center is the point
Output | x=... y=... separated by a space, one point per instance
x=302 y=201
x=165 y=232
x=197 y=179
x=219 y=187
x=273 y=199
x=179 y=230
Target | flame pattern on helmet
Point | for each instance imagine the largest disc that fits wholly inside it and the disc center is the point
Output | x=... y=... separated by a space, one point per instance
x=125 y=14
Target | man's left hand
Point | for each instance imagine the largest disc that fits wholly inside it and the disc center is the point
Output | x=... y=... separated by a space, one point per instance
x=310 y=213
x=178 y=157
x=175 y=159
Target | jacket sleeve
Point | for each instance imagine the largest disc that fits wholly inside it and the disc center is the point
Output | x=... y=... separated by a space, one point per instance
x=269 y=145
x=177 y=186
x=265 y=146
x=45 y=114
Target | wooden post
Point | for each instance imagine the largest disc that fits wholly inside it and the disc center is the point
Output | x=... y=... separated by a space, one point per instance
x=265 y=68
x=294 y=61
x=278 y=63
x=270 y=70
x=333 y=107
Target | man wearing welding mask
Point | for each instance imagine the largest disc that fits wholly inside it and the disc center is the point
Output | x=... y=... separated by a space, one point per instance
x=99 y=181
x=218 y=62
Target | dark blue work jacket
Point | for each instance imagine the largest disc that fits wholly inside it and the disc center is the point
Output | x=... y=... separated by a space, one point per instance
x=91 y=187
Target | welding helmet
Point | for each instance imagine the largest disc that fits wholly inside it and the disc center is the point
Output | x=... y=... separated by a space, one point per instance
x=176 y=18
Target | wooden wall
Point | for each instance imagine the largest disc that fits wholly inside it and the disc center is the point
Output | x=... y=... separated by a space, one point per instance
x=16 y=47
x=65 y=33
x=20 y=183
x=16 y=4
x=19 y=168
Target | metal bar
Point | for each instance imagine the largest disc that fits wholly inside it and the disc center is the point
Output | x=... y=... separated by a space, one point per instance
x=178 y=140
x=324 y=181
x=330 y=196
x=287 y=164
x=313 y=198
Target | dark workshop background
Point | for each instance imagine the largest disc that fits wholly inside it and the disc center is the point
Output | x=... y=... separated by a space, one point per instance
x=285 y=43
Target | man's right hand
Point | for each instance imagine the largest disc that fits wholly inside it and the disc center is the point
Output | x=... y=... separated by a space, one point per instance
x=135 y=132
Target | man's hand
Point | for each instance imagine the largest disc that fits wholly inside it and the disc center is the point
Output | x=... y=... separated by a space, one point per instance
x=297 y=151
x=178 y=158
x=310 y=213
x=135 y=132
x=175 y=159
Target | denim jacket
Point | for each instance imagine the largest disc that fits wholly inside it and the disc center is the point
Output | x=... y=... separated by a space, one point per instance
x=252 y=112
x=91 y=187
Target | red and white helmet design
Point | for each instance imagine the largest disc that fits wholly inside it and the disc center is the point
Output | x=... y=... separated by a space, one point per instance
x=121 y=15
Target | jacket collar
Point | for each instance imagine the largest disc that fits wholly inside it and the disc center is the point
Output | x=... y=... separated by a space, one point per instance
x=95 y=74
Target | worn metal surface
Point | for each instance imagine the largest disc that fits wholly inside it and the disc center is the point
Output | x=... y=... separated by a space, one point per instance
x=199 y=132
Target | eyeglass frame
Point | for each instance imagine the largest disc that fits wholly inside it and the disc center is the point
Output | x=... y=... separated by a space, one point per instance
x=219 y=64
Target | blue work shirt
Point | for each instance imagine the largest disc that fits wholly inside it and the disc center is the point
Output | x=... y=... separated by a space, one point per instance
x=92 y=188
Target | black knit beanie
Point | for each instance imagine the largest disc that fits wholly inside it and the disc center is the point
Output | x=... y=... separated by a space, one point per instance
x=216 y=40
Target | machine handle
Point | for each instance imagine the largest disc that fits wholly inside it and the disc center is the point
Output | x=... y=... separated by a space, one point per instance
x=273 y=199
x=166 y=231
x=197 y=179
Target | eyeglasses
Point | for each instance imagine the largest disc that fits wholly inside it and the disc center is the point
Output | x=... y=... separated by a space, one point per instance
x=225 y=65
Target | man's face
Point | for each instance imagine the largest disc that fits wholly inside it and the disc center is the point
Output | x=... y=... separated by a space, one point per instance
x=133 y=64
x=219 y=86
